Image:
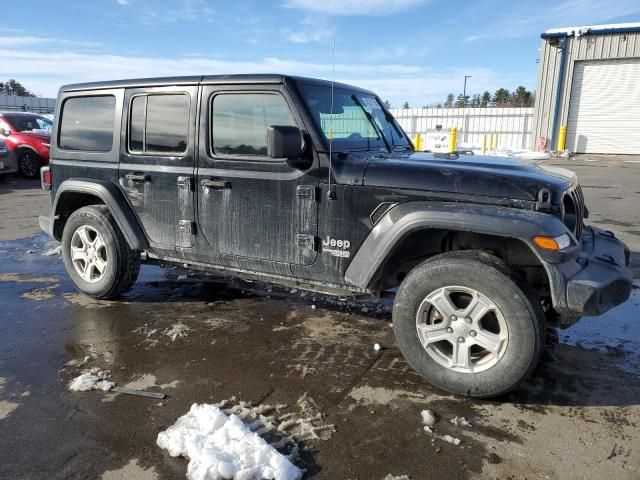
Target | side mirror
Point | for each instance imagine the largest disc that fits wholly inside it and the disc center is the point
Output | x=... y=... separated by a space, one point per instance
x=4 y=132
x=284 y=141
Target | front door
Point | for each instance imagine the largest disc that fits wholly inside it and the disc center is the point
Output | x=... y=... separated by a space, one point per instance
x=251 y=206
x=157 y=162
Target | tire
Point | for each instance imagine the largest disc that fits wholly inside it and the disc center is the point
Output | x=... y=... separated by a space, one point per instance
x=29 y=164
x=96 y=255
x=512 y=327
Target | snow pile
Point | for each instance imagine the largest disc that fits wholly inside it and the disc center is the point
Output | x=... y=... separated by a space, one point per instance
x=393 y=477
x=94 y=379
x=450 y=439
x=53 y=251
x=616 y=330
x=582 y=30
x=428 y=418
x=179 y=330
x=223 y=447
x=460 y=422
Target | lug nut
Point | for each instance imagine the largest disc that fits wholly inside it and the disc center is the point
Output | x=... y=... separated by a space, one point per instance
x=473 y=333
x=454 y=318
x=449 y=330
x=468 y=319
x=460 y=339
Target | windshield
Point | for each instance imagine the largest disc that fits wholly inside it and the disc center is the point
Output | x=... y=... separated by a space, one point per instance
x=28 y=123
x=358 y=120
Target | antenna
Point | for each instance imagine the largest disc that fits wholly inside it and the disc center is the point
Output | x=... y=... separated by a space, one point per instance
x=331 y=194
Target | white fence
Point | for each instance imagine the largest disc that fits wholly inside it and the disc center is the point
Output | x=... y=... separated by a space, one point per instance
x=513 y=126
x=27 y=104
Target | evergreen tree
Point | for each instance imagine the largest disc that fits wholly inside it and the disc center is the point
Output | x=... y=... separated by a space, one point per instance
x=485 y=100
x=502 y=97
x=13 y=87
x=462 y=101
x=387 y=103
x=475 y=101
x=521 y=97
x=406 y=105
x=449 y=102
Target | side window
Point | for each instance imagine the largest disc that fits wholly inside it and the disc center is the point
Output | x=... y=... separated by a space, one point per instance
x=239 y=122
x=159 y=123
x=87 y=123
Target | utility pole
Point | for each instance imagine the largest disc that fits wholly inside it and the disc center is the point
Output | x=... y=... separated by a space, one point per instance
x=464 y=108
x=464 y=92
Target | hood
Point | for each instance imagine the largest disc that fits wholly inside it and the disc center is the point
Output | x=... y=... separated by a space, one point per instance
x=508 y=178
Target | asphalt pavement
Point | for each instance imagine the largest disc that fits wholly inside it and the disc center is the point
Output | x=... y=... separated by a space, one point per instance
x=207 y=340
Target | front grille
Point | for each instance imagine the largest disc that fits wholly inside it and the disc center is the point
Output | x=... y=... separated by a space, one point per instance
x=574 y=211
x=578 y=198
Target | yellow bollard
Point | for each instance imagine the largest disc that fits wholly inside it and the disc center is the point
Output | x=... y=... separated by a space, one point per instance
x=453 y=139
x=562 y=139
x=494 y=141
x=417 y=143
x=484 y=143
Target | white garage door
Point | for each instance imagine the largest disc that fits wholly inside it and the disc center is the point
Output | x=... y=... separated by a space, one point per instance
x=604 y=107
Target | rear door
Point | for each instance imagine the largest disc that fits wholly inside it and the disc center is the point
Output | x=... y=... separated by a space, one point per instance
x=157 y=162
x=251 y=206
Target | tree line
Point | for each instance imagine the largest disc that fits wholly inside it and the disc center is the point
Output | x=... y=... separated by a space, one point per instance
x=520 y=97
x=13 y=87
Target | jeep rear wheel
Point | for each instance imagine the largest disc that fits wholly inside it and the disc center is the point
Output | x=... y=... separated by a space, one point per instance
x=468 y=325
x=29 y=164
x=96 y=255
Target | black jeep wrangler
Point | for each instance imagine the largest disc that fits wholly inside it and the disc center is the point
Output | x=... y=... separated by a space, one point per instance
x=312 y=184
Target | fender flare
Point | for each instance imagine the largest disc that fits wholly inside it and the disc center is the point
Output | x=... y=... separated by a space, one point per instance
x=406 y=218
x=115 y=201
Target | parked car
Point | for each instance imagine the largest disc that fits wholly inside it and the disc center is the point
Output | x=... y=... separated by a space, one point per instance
x=8 y=162
x=28 y=135
x=312 y=184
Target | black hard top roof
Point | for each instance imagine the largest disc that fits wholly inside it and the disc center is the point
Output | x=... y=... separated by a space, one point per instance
x=265 y=78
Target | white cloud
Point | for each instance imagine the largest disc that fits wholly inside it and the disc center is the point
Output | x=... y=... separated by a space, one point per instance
x=533 y=19
x=123 y=2
x=30 y=40
x=40 y=71
x=313 y=29
x=354 y=7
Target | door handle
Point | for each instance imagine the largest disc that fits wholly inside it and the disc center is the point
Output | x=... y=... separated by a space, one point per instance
x=137 y=177
x=215 y=184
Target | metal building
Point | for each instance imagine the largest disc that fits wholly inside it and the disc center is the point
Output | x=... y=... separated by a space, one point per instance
x=589 y=81
x=27 y=104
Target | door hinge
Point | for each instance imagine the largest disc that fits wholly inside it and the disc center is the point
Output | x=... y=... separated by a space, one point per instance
x=308 y=242
x=187 y=226
x=186 y=182
x=306 y=191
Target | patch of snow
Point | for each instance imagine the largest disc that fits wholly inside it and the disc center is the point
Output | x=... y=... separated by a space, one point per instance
x=394 y=477
x=377 y=347
x=581 y=30
x=450 y=439
x=76 y=362
x=221 y=446
x=182 y=277
x=53 y=251
x=93 y=379
x=460 y=422
x=178 y=330
x=618 y=329
x=428 y=418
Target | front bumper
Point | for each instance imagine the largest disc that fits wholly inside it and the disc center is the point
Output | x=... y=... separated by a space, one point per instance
x=598 y=280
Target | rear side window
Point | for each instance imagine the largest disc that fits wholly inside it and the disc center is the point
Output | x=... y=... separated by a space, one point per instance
x=159 y=124
x=87 y=123
x=239 y=122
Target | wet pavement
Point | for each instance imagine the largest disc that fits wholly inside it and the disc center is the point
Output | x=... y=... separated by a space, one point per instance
x=206 y=339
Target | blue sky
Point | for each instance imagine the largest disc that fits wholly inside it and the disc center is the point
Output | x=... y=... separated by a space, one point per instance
x=405 y=50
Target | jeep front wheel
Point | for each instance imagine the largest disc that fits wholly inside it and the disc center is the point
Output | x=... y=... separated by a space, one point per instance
x=468 y=325
x=96 y=255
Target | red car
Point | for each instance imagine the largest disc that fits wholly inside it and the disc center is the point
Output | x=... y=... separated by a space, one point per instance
x=28 y=135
